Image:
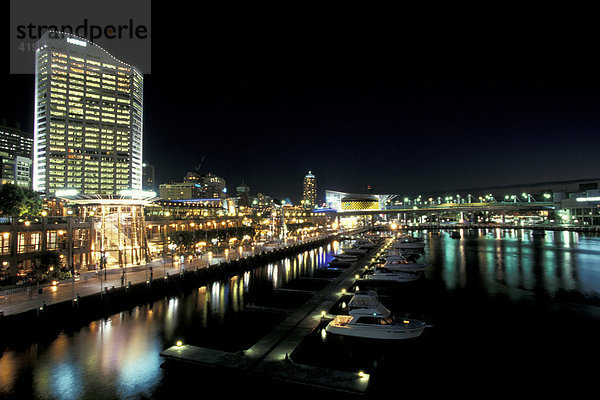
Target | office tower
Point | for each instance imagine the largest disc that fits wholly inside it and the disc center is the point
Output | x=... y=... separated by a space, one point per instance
x=148 y=177
x=16 y=148
x=88 y=119
x=214 y=186
x=243 y=189
x=309 y=190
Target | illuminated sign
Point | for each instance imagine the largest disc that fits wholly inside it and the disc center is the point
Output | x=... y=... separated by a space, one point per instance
x=65 y=193
x=137 y=193
x=77 y=42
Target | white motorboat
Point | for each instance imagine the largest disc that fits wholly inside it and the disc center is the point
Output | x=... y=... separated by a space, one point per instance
x=364 y=244
x=376 y=327
x=355 y=251
x=408 y=244
x=381 y=274
x=367 y=303
x=405 y=266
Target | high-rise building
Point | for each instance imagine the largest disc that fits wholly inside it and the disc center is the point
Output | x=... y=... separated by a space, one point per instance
x=309 y=191
x=148 y=177
x=16 y=148
x=15 y=141
x=214 y=186
x=88 y=118
x=243 y=189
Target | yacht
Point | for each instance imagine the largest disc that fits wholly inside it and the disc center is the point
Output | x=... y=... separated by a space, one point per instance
x=355 y=251
x=367 y=303
x=382 y=274
x=455 y=234
x=364 y=244
x=375 y=327
x=404 y=266
x=409 y=243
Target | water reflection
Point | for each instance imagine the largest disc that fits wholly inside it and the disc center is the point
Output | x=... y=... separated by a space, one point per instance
x=118 y=357
x=516 y=263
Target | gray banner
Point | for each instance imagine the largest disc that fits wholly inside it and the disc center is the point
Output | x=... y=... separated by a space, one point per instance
x=122 y=28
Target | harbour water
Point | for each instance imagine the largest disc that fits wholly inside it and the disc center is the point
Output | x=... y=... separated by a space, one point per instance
x=510 y=312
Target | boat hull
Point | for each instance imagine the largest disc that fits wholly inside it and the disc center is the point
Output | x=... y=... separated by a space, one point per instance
x=379 y=334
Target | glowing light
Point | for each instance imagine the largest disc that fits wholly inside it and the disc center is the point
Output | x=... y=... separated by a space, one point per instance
x=138 y=193
x=580 y=199
x=65 y=193
x=179 y=343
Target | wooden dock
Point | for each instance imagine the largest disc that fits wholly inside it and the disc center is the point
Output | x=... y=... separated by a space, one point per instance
x=270 y=356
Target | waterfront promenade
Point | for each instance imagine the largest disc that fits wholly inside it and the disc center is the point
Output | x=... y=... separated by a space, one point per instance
x=91 y=283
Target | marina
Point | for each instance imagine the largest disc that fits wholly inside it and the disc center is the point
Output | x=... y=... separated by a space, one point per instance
x=265 y=327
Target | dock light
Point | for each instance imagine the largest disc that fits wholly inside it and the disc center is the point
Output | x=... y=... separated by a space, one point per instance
x=323 y=313
x=54 y=283
x=406 y=321
x=179 y=343
x=361 y=374
x=356 y=276
x=343 y=291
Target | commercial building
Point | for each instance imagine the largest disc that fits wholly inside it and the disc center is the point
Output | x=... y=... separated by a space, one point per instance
x=16 y=148
x=309 y=190
x=148 y=177
x=214 y=186
x=22 y=242
x=195 y=186
x=87 y=119
x=180 y=191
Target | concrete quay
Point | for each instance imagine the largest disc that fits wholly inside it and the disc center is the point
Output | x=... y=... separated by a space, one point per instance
x=74 y=303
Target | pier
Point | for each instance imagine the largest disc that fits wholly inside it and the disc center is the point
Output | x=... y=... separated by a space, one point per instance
x=270 y=356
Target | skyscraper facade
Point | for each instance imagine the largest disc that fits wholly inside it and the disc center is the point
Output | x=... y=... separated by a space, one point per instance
x=88 y=119
x=309 y=191
x=16 y=147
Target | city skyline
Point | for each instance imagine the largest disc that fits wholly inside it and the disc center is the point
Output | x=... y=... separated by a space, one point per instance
x=443 y=113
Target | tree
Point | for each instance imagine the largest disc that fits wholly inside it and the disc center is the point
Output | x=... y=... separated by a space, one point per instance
x=47 y=259
x=16 y=201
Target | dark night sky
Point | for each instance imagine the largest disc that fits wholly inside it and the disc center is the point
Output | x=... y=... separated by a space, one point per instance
x=406 y=105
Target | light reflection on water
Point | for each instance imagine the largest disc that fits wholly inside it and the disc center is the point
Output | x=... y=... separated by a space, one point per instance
x=516 y=263
x=118 y=357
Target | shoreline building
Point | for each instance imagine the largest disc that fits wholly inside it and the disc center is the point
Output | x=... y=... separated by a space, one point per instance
x=88 y=119
x=309 y=191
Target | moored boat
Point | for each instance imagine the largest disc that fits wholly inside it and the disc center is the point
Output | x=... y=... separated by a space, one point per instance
x=376 y=327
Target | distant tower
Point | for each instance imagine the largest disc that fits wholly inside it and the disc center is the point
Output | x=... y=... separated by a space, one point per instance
x=148 y=177
x=309 y=190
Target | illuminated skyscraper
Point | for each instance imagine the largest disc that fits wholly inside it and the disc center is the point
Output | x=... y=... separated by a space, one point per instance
x=309 y=190
x=15 y=156
x=88 y=118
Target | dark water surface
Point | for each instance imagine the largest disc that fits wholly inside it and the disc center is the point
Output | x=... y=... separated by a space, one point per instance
x=511 y=314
